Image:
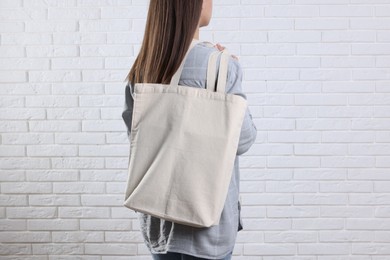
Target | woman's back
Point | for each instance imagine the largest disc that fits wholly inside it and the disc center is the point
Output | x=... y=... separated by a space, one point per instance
x=216 y=241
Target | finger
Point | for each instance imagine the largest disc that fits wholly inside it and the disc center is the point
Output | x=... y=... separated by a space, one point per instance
x=220 y=47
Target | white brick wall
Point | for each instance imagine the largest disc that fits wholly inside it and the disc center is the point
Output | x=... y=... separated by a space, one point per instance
x=315 y=185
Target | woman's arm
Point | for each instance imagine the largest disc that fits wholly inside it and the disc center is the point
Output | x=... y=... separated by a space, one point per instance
x=248 y=130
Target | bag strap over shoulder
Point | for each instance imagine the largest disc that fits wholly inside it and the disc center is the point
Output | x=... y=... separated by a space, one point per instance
x=176 y=77
x=222 y=71
x=211 y=70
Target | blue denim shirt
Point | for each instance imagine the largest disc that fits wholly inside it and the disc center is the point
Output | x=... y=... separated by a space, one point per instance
x=217 y=241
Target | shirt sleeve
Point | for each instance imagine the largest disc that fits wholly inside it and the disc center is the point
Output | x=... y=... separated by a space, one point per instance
x=248 y=130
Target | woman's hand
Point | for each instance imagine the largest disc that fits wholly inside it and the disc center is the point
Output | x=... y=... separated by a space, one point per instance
x=220 y=47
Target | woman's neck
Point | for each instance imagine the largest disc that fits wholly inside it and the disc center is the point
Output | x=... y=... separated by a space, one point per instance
x=196 y=35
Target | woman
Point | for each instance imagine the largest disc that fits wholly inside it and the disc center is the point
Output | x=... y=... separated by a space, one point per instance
x=171 y=26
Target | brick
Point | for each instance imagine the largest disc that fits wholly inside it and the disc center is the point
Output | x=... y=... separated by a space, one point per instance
x=53 y=224
x=57 y=249
x=123 y=237
x=77 y=163
x=124 y=12
x=36 y=51
x=11 y=150
x=344 y=212
x=11 y=101
x=56 y=76
x=348 y=161
x=319 y=199
x=54 y=200
x=323 y=249
x=104 y=175
x=23 y=163
x=346 y=187
x=26 y=237
x=13 y=225
x=321 y=23
x=24 y=64
x=12 y=175
x=77 y=63
x=53 y=26
x=24 y=38
x=79 y=187
x=118 y=50
x=264 y=249
x=79 y=138
x=293 y=161
x=288 y=211
x=13 y=200
x=24 y=89
x=346 y=236
x=314 y=224
x=8 y=51
x=347 y=137
x=72 y=113
x=323 y=49
x=256 y=199
x=367 y=248
x=102 y=200
x=22 y=113
x=320 y=149
x=112 y=248
x=11 y=3
x=370 y=24
x=267 y=23
x=346 y=10
x=369 y=199
x=320 y=174
x=105 y=25
x=31 y=212
x=103 y=224
x=348 y=36
x=77 y=88
x=290 y=237
x=294 y=137
x=26 y=187
x=73 y=13
x=14 y=249
x=326 y=124
x=83 y=212
x=51 y=150
x=13 y=76
x=52 y=175
x=103 y=150
x=78 y=236
x=123 y=212
x=54 y=126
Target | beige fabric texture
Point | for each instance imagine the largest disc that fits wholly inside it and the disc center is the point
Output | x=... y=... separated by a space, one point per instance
x=183 y=145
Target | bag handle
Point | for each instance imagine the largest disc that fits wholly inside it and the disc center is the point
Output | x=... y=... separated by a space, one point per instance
x=176 y=77
x=211 y=71
x=223 y=69
x=222 y=72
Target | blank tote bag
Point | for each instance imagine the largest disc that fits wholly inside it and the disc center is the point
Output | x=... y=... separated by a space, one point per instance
x=183 y=144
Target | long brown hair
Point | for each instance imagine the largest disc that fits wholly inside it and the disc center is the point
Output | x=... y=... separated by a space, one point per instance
x=169 y=30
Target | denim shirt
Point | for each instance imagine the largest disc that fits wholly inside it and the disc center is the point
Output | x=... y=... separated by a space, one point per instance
x=217 y=241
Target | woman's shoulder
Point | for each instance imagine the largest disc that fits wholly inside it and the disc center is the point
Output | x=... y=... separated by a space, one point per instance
x=206 y=48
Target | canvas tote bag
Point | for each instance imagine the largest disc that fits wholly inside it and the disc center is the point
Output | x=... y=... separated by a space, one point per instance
x=183 y=144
